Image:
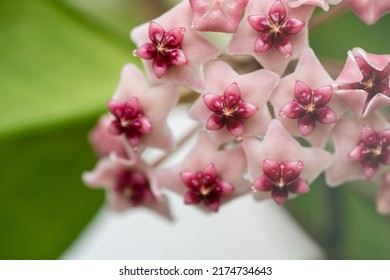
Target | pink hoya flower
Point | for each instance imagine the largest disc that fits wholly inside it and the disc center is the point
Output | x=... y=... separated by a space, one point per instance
x=361 y=146
x=233 y=106
x=272 y=33
x=369 y=10
x=383 y=199
x=127 y=187
x=372 y=150
x=364 y=82
x=280 y=166
x=105 y=143
x=171 y=50
x=324 y=4
x=305 y=103
x=217 y=15
x=206 y=176
x=140 y=113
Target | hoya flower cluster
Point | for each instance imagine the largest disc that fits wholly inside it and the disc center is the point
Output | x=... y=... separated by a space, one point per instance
x=250 y=121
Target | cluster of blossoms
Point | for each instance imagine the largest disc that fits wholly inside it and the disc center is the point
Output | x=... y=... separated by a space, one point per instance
x=251 y=123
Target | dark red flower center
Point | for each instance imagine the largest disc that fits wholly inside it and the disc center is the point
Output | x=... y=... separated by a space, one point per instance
x=130 y=120
x=165 y=48
x=281 y=178
x=228 y=109
x=373 y=149
x=205 y=186
x=134 y=186
x=309 y=106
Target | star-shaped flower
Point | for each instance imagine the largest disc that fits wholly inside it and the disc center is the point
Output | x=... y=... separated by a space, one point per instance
x=348 y=135
x=140 y=112
x=238 y=102
x=369 y=10
x=364 y=82
x=279 y=165
x=128 y=187
x=217 y=15
x=324 y=4
x=372 y=150
x=269 y=23
x=383 y=198
x=174 y=51
x=206 y=176
x=305 y=97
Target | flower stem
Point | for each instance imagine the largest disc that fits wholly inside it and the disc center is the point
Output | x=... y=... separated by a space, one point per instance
x=180 y=143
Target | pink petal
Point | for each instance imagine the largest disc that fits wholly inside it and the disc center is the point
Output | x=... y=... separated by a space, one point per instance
x=370 y=167
x=190 y=179
x=298 y=186
x=209 y=174
x=292 y=170
x=259 y=23
x=177 y=57
x=264 y=42
x=116 y=107
x=232 y=95
x=284 y=45
x=384 y=137
x=144 y=125
x=146 y=51
x=383 y=198
x=386 y=157
x=156 y=32
x=326 y=115
x=175 y=36
x=263 y=183
x=213 y=205
x=278 y=11
x=235 y=127
x=115 y=128
x=191 y=198
x=132 y=108
x=369 y=136
x=272 y=169
x=160 y=67
x=322 y=95
x=292 y=110
x=226 y=188
x=365 y=68
x=279 y=196
x=292 y=26
x=306 y=125
x=358 y=153
x=215 y=122
x=302 y=92
x=213 y=102
x=245 y=110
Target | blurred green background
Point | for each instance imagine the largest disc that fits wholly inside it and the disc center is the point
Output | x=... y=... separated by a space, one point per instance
x=60 y=62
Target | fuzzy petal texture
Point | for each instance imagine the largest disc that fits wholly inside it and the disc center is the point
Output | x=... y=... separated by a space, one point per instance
x=105 y=175
x=358 y=99
x=346 y=136
x=279 y=145
x=256 y=88
x=383 y=198
x=324 y=4
x=217 y=15
x=369 y=11
x=197 y=49
x=203 y=153
x=156 y=103
x=245 y=40
x=313 y=76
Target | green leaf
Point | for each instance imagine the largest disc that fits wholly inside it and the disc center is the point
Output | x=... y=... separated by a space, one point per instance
x=43 y=203
x=56 y=64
